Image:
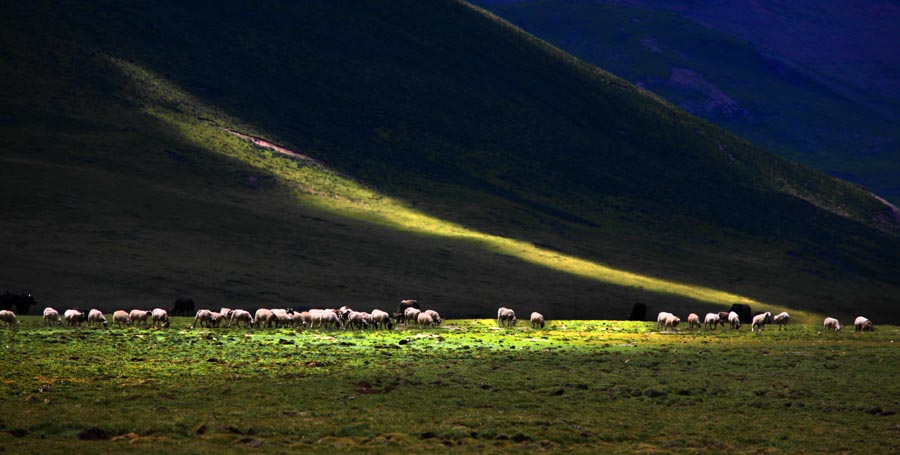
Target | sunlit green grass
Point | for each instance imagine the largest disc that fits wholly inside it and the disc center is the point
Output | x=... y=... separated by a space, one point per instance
x=314 y=185
x=588 y=386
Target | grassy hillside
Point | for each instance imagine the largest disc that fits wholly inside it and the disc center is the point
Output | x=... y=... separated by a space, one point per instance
x=447 y=157
x=777 y=104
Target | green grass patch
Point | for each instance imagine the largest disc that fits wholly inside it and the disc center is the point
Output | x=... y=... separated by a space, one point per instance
x=586 y=386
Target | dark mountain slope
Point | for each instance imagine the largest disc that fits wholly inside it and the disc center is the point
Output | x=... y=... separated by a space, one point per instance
x=756 y=91
x=439 y=105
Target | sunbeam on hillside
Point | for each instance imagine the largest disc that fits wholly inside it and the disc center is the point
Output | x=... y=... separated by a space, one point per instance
x=317 y=186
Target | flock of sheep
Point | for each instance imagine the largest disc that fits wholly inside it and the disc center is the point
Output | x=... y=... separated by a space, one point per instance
x=408 y=313
x=666 y=320
x=343 y=317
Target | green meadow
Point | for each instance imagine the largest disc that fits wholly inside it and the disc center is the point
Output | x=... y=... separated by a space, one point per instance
x=468 y=386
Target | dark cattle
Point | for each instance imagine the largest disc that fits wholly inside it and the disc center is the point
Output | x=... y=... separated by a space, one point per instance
x=19 y=303
x=638 y=312
x=743 y=312
x=184 y=306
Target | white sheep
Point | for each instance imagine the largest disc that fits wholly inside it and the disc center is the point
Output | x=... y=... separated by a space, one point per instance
x=226 y=313
x=159 y=318
x=711 y=321
x=735 y=320
x=693 y=319
x=357 y=320
x=73 y=317
x=411 y=315
x=832 y=324
x=661 y=318
x=863 y=325
x=51 y=316
x=316 y=317
x=264 y=317
x=240 y=316
x=424 y=319
x=324 y=318
x=381 y=319
x=203 y=316
x=537 y=320
x=782 y=320
x=671 y=322
x=435 y=316
x=215 y=318
x=301 y=319
x=96 y=318
x=760 y=321
x=121 y=318
x=330 y=319
x=283 y=317
x=506 y=317
x=8 y=318
x=139 y=316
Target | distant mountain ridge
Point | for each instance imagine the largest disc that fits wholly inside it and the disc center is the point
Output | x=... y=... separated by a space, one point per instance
x=452 y=158
x=812 y=81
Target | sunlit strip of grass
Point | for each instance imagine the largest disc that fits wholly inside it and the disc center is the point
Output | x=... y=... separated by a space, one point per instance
x=318 y=187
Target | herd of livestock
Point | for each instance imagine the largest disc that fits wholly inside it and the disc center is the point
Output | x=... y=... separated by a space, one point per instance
x=408 y=313
x=666 y=321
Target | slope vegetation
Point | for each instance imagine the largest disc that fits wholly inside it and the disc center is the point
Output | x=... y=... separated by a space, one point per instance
x=440 y=154
x=776 y=102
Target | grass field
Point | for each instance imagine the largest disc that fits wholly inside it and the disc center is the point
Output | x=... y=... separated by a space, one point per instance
x=579 y=386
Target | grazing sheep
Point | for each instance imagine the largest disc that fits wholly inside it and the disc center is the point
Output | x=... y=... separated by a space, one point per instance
x=240 y=316
x=204 y=317
x=283 y=317
x=357 y=320
x=302 y=319
x=139 y=316
x=344 y=314
x=330 y=319
x=435 y=316
x=832 y=324
x=73 y=317
x=8 y=317
x=381 y=319
x=863 y=325
x=316 y=317
x=159 y=318
x=723 y=317
x=407 y=303
x=324 y=318
x=735 y=320
x=226 y=313
x=506 y=317
x=215 y=318
x=782 y=320
x=711 y=321
x=671 y=322
x=51 y=316
x=411 y=315
x=661 y=318
x=264 y=317
x=424 y=319
x=121 y=318
x=537 y=320
x=96 y=318
x=760 y=321
x=693 y=319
